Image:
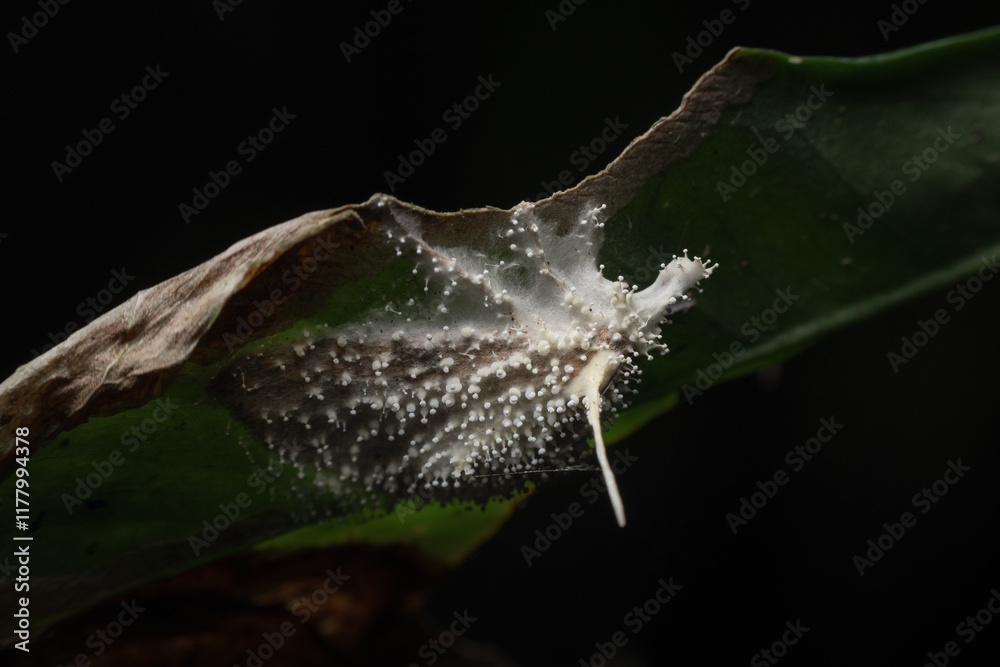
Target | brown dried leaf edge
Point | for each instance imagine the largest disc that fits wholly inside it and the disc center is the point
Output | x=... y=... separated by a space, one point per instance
x=131 y=354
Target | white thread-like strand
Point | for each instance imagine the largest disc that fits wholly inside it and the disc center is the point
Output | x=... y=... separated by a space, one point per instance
x=594 y=413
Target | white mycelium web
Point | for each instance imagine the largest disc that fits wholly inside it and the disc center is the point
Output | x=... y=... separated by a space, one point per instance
x=500 y=363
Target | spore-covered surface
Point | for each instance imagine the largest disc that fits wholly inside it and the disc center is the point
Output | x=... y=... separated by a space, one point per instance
x=488 y=364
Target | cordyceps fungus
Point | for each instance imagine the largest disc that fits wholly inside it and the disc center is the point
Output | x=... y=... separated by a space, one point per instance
x=491 y=362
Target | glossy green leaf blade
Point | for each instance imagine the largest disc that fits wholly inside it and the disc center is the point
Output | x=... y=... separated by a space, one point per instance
x=924 y=120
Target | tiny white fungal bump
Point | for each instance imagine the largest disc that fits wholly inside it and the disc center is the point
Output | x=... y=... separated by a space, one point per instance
x=502 y=361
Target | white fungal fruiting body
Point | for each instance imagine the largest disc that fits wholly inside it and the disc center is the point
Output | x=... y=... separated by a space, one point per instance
x=503 y=364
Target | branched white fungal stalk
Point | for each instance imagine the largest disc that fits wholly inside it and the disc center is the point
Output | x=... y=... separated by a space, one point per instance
x=493 y=362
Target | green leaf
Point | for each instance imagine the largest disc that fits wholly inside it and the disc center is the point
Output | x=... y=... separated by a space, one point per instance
x=139 y=446
x=919 y=120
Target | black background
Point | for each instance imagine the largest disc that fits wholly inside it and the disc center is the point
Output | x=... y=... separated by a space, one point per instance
x=119 y=208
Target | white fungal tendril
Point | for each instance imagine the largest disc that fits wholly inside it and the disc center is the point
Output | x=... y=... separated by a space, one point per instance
x=497 y=361
x=593 y=376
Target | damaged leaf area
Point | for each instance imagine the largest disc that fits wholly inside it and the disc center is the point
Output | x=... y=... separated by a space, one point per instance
x=366 y=373
x=131 y=354
x=494 y=360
